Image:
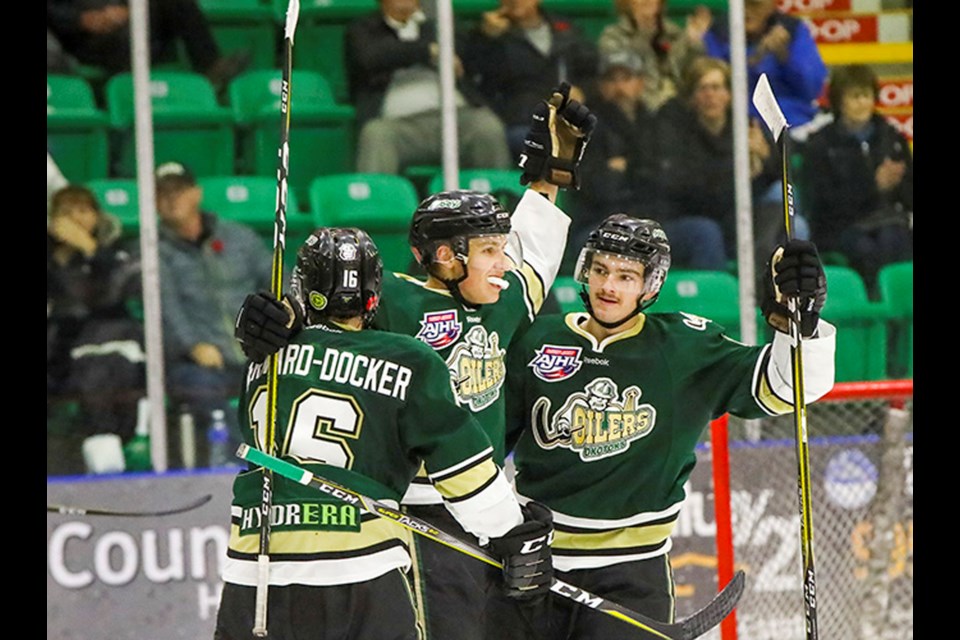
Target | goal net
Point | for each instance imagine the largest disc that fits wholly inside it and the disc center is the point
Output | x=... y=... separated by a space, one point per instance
x=861 y=469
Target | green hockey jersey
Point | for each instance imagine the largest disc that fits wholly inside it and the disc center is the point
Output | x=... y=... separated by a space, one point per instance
x=606 y=431
x=364 y=409
x=473 y=342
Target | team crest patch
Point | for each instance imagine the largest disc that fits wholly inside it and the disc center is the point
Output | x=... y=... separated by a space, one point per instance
x=477 y=368
x=598 y=422
x=440 y=329
x=554 y=363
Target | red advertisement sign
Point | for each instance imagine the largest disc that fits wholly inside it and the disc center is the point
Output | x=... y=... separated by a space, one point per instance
x=810 y=6
x=846 y=29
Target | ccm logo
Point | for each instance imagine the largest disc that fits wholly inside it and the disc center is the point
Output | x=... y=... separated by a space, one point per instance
x=536 y=544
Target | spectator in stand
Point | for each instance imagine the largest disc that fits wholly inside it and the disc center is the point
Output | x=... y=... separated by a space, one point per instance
x=781 y=46
x=518 y=52
x=392 y=59
x=661 y=43
x=207 y=266
x=858 y=178
x=97 y=33
x=94 y=343
x=621 y=165
x=696 y=175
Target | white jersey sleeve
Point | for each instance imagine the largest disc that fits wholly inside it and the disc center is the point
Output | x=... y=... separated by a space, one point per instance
x=542 y=228
x=818 y=363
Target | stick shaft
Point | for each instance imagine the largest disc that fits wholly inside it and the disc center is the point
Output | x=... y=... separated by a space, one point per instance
x=276 y=287
x=71 y=510
x=796 y=361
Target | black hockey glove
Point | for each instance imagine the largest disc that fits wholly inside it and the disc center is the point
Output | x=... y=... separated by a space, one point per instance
x=525 y=552
x=795 y=272
x=558 y=136
x=264 y=325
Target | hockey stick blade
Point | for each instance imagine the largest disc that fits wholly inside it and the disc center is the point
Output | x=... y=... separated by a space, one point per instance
x=687 y=629
x=767 y=106
x=69 y=510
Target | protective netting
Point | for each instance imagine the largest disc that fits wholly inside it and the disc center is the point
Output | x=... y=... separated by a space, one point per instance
x=861 y=470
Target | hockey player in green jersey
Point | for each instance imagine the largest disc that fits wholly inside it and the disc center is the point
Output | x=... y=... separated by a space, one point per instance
x=364 y=409
x=609 y=405
x=481 y=290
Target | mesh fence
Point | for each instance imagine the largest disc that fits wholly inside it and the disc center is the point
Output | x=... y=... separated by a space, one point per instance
x=861 y=469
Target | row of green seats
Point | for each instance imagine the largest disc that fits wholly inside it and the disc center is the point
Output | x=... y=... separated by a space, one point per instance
x=381 y=204
x=190 y=126
x=874 y=338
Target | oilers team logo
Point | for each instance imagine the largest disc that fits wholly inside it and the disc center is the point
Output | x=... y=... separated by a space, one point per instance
x=478 y=368
x=554 y=363
x=440 y=329
x=598 y=422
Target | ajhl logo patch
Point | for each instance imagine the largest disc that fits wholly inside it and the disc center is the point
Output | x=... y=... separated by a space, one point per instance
x=554 y=363
x=440 y=329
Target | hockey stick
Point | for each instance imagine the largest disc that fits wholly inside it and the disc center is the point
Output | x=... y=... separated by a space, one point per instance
x=687 y=629
x=769 y=109
x=276 y=287
x=69 y=510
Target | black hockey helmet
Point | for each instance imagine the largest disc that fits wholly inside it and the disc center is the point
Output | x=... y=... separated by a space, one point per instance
x=639 y=239
x=454 y=217
x=338 y=274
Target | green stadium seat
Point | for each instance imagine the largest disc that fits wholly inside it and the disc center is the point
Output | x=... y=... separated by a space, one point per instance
x=320 y=36
x=380 y=204
x=861 y=326
x=714 y=295
x=321 y=130
x=252 y=200
x=503 y=184
x=77 y=129
x=119 y=196
x=895 y=282
x=189 y=125
x=244 y=25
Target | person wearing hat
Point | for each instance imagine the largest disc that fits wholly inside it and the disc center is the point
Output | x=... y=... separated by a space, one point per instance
x=207 y=266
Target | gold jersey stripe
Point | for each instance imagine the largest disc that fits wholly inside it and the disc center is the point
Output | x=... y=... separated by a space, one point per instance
x=535 y=292
x=625 y=538
x=468 y=481
x=768 y=399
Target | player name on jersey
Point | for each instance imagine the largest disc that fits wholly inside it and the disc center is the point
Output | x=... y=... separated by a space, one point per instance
x=355 y=369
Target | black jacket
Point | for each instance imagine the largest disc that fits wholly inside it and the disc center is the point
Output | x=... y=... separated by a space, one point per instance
x=696 y=168
x=373 y=51
x=516 y=76
x=838 y=177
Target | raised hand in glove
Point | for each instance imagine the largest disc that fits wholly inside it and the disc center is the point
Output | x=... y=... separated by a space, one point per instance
x=525 y=553
x=558 y=136
x=264 y=324
x=795 y=273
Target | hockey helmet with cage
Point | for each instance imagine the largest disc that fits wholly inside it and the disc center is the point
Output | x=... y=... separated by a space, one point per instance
x=453 y=217
x=638 y=239
x=338 y=274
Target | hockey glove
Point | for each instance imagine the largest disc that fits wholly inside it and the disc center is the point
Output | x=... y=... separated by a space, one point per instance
x=525 y=552
x=558 y=136
x=264 y=324
x=795 y=273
